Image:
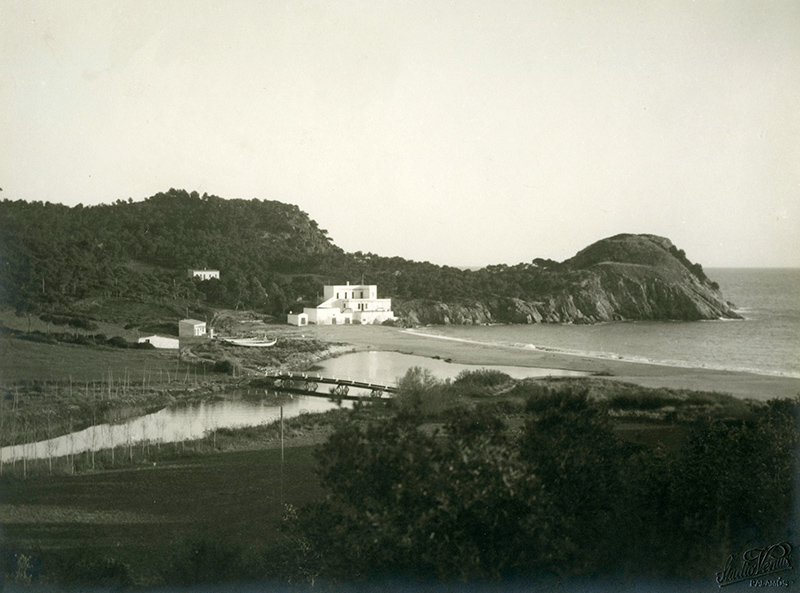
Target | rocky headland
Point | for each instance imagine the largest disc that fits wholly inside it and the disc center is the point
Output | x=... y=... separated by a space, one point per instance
x=625 y=277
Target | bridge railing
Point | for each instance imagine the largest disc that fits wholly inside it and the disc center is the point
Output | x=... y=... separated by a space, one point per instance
x=317 y=378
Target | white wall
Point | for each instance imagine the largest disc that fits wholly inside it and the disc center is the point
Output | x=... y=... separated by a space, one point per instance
x=191 y=328
x=162 y=342
x=298 y=319
x=328 y=316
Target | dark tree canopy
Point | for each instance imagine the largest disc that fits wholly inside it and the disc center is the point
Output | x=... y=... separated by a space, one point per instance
x=477 y=500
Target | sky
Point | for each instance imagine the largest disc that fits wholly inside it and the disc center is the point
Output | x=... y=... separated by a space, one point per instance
x=462 y=133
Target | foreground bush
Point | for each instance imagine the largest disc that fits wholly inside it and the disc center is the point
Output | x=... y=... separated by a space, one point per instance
x=475 y=500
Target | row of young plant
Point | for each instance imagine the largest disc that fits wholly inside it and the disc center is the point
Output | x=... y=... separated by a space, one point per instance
x=37 y=410
x=92 y=456
x=92 y=453
x=80 y=459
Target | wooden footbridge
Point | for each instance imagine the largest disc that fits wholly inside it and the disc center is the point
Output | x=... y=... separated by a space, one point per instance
x=308 y=384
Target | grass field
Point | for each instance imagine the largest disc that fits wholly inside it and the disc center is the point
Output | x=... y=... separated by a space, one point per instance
x=137 y=519
x=142 y=516
x=22 y=360
x=48 y=389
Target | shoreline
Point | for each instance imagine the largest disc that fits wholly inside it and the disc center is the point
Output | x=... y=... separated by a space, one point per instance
x=598 y=356
x=647 y=374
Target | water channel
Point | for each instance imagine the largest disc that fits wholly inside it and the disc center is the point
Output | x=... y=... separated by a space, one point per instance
x=184 y=422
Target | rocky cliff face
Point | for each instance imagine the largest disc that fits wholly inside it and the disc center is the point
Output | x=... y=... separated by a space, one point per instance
x=626 y=277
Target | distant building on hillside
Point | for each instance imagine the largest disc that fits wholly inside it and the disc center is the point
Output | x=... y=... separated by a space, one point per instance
x=161 y=342
x=191 y=328
x=348 y=303
x=203 y=274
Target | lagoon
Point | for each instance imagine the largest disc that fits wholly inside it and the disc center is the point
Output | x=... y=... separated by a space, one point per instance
x=243 y=408
x=387 y=367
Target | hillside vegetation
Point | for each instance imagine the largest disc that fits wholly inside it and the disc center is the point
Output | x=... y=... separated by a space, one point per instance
x=274 y=258
x=52 y=255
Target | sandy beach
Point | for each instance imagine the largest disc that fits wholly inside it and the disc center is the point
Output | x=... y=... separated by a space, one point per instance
x=391 y=339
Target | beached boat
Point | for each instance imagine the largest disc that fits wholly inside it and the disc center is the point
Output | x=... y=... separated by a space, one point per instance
x=251 y=342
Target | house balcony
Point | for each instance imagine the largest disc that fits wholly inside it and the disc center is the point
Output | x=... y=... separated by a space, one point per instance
x=372 y=305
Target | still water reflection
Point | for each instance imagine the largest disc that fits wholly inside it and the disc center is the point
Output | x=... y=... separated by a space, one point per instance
x=387 y=367
x=192 y=421
x=182 y=422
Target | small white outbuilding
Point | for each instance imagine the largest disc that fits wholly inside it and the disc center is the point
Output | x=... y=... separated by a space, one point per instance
x=191 y=328
x=298 y=319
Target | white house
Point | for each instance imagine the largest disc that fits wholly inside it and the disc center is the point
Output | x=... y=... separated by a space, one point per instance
x=298 y=319
x=161 y=342
x=191 y=328
x=350 y=303
x=203 y=274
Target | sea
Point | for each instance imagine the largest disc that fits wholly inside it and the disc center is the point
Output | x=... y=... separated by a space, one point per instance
x=766 y=341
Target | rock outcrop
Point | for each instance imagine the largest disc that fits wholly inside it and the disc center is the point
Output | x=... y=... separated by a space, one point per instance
x=625 y=277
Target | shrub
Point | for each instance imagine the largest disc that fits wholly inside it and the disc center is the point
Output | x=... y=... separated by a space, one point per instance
x=642 y=400
x=531 y=389
x=118 y=342
x=416 y=382
x=205 y=560
x=567 y=497
x=83 y=323
x=482 y=378
x=405 y=503
x=223 y=366
x=565 y=398
x=54 y=319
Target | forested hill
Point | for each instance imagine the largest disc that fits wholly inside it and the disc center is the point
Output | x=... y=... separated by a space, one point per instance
x=51 y=254
x=272 y=257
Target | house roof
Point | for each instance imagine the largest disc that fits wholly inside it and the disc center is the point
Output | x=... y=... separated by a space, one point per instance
x=192 y=321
